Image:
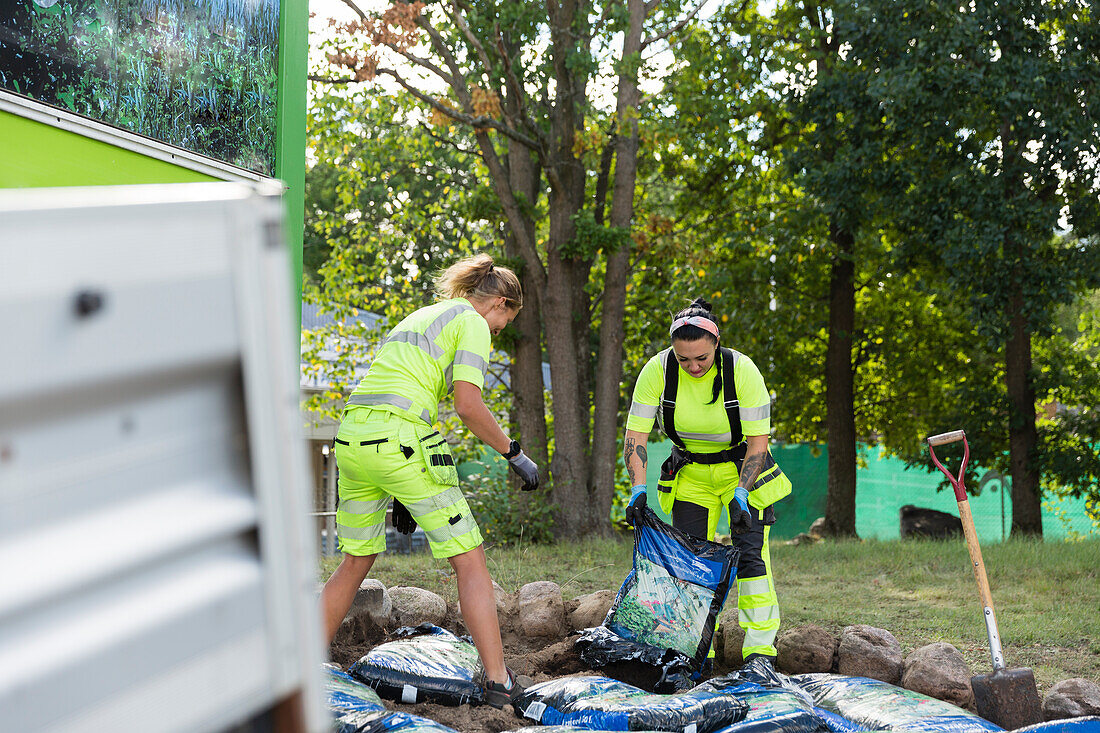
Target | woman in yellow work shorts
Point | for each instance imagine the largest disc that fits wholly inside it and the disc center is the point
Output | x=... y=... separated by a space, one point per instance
x=713 y=404
x=386 y=447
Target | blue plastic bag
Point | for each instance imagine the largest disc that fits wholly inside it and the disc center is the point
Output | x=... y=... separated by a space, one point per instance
x=669 y=601
x=877 y=705
x=428 y=664
x=604 y=704
x=347 y=694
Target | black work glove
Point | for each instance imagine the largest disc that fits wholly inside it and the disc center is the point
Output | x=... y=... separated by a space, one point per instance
x=636 y=508
x=523 y=466
x=740 y=519
x=403 y=521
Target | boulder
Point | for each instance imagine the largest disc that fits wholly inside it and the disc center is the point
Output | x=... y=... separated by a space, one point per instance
x=371 y=613
x=865 y=651
x=731 y=637
x=803 y=649
x=917 y=521
x=591 y=609
x=541 y=609
x=413 y=606
x=817 y=528
x=939 y=670
x=1072 y=698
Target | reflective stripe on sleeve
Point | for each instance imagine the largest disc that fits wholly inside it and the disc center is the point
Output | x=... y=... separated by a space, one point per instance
x=756 y=413
x=469 y=358
x=646 y=412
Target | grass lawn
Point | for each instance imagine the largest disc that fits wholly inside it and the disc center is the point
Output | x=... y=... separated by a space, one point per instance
x=1046 y=595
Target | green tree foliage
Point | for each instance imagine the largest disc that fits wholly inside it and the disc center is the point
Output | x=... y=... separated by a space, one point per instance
x=993 y=112
x=517 y=82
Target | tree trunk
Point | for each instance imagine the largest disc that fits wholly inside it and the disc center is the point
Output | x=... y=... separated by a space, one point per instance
x=1023 y=436
x=527 y=386
x=609 y=366
x=840 y=422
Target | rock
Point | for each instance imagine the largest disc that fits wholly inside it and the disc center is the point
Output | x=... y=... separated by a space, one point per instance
x=817 y=528
x=803 y=649
x=939 y=670
x=591 y=609
x=732 y=637
x=413 y=606
x=917 y=521
x=371 y=613
x=1072 y=698
x=803 y=538
x=541 y=609
x=865 y=651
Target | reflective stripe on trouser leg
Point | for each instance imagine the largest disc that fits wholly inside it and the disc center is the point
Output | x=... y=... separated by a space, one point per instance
x=758 y=608
x=447 y=521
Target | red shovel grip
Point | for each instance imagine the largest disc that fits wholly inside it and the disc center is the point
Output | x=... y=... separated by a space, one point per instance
x=945 y=439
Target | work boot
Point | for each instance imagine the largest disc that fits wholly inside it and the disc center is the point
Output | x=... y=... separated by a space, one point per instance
x=766 y=662
x=498 y=695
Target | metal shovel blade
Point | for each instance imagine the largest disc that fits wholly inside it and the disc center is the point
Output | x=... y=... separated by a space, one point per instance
x=1007 y=697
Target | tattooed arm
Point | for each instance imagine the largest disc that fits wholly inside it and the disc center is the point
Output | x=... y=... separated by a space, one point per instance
x=754 y=460
x=635 y=456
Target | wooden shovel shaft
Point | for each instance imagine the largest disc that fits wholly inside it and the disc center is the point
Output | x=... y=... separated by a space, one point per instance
x=983 y=584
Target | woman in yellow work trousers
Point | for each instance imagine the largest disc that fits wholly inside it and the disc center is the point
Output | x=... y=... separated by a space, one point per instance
x=713 y=405
x=386 y=447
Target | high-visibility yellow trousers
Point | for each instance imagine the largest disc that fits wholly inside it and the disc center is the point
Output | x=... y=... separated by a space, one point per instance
x=701 y=492
x=381 y=455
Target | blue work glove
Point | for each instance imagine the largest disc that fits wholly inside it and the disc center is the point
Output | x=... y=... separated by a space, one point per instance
x=740 y=518
x=636 y=507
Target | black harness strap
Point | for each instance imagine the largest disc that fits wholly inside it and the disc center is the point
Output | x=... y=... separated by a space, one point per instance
x=668 y=399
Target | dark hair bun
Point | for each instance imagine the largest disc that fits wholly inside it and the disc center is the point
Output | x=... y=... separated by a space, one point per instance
x=701 y=303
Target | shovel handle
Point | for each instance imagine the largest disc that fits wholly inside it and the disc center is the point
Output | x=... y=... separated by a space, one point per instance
x=975 y=551
x=944 y=439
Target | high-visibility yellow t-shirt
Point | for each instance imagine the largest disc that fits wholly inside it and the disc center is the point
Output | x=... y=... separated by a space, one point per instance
x=423 y=355
x=703 y=428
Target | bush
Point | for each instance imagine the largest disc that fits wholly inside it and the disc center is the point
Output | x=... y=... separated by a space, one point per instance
x=505 y=514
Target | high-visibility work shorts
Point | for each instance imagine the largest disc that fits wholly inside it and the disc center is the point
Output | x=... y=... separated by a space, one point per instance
x=379 y=455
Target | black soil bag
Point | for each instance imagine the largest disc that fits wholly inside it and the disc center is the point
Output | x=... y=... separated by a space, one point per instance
x=427 y=664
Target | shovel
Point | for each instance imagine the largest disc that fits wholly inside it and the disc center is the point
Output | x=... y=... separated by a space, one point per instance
x=1007 y=697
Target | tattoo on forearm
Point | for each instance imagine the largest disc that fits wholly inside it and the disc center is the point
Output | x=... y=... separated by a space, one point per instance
x=750 y=469
x=640 y=451
x=628 y=451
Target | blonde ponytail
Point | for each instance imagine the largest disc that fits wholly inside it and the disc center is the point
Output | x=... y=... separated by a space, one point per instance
x=476 y=278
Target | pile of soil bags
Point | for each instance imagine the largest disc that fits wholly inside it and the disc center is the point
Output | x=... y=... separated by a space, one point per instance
x=664 y=613
x=426 y=664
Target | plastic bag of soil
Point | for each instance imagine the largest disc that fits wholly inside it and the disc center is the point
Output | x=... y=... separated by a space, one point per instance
x=426 y=664
x=645 y=666
x=1088 y=724
x=775 y=704
x=670 y=600
x=346 y=694
x=604 y=704
x=877 y=705
x=359 y=721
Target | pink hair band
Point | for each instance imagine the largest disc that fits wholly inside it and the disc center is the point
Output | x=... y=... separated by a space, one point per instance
x=704 y=323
